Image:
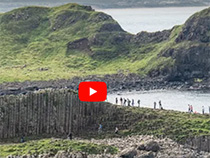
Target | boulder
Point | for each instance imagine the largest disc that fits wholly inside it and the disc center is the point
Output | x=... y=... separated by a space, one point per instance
x=152 y=146
x=128 y=153
x=149 y=146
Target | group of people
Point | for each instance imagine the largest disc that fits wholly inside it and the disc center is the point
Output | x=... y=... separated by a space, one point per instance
x=127 y=102
x=131 y=102
x=160 y=105
x=190 y=109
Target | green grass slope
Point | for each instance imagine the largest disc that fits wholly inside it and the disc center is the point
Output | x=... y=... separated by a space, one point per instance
x=179 y=126
x=52 y=147
x=39 y=43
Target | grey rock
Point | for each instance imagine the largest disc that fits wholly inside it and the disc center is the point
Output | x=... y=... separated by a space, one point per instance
x=128 y=153
x=150 y=146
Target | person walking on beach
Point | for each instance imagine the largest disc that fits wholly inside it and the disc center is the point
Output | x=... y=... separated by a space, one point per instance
x=125 y=102
x=139 y=102
x=203 y=110
x=129 y=102
x=155 y=104
x=116 y=100
x=191 y=109
x=132 y=102
x=121 y=100
x=160 y=105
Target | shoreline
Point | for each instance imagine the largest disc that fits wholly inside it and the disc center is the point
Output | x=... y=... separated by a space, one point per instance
x=115 y=83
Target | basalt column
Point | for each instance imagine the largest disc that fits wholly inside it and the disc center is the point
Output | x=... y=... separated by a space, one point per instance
x=52 y=112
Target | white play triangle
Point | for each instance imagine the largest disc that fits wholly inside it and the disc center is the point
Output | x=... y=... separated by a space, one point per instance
x=92 y=91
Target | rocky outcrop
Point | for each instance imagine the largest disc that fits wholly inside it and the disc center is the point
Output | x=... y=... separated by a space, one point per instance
x=128 y=153
x=80 y=44
x=145 y=37
x=190 y=63
x=110 y=27
x=197 y=28
x=157 y=148
x=150 y=146
x=191 y=53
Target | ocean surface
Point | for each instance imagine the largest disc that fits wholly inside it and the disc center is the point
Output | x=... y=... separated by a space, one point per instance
x=171 y=99
x=151 y=19
x=132 y=20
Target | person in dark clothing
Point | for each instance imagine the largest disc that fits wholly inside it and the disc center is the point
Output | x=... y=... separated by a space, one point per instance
x=209 y=109
x=139 y=103
x=203 y=110
x=125 y=102
x=116 y=100
x=70 y=136
x=22 y=140
x=129 y=102
x=189 y=108
x=132 y=102
x=121 y=100
x=155 y=104
x=116 y=130
x=160 y=104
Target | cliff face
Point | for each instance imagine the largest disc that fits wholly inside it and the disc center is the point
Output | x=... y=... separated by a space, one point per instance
x=48 y=112
x=39 y=43
x=192 y=48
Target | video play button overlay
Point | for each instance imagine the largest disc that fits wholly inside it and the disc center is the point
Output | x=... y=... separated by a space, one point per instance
x=92 y=91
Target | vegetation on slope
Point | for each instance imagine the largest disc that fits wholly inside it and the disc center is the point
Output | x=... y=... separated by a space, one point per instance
x=178 y=126
x=52 y=146
x=39 y=43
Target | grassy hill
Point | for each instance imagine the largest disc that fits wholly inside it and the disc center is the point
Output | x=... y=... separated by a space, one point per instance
x=52 y=147
x=39 y=43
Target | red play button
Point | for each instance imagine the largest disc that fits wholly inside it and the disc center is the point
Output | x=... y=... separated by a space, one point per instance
x=92 y=91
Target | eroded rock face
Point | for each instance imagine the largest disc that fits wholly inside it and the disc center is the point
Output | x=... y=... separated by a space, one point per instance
x=190 y=63
x=80 y=44
x=197 y=28
x=145 y=37
x=111 y=27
